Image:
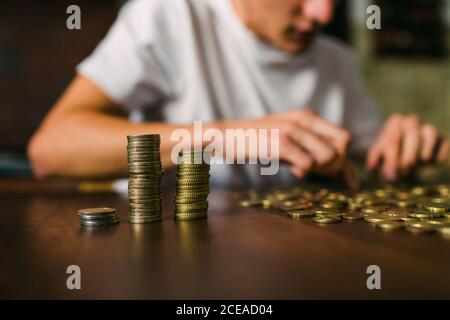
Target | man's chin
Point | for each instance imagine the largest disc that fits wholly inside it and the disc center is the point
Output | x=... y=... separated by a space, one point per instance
x=301 y=48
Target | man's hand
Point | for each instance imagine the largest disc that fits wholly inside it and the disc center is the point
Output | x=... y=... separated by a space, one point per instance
x=307 y=142
x=404 y=143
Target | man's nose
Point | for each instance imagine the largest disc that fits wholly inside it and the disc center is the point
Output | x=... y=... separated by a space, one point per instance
x=319 y=10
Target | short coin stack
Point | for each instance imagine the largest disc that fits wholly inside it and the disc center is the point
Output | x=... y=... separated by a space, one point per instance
x=145 y=173
x=98 y=217
x=191 y=199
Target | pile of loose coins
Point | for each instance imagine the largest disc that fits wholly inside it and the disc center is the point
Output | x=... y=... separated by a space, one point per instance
x=418 y=209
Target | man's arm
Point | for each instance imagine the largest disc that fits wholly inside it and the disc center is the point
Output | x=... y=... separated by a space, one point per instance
x=81 y=138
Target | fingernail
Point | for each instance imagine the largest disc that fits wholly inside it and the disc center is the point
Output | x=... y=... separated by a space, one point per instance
x=391 y=175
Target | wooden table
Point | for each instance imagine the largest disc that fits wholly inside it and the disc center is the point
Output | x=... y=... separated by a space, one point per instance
x=237 y=253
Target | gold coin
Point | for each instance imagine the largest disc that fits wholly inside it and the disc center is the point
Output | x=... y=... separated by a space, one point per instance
x=395 y=213
x=267 y=203
x=439 y=223
x=444 y=231
x=295 y=205
x=422 y=214
x=325 y=211
x=439 y=200
x=406 y=203
x=409 y=219
x=402 y=195
x=300 y=214
x=443 y=190
x=418 y=191
x=419 y=227
x=250 y=203
x=390 y=225
x=352 y=216
x=381 y=193
x=326 y=220
x=436 y=207
x=333 y=205
x=380 y=218
x=375 y=209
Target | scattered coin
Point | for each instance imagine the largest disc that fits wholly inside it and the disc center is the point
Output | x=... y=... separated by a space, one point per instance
x=420 y=228
x=380 y=218
x=326 y=220
x=300 y=214
x=423 y=214
x=409 y=219
x=419 y=210
x=251 y=203
x=436 y=207
x=444 y=231
x=439 y=223
x=352 y=216
x=390 y=225
x=296 y=205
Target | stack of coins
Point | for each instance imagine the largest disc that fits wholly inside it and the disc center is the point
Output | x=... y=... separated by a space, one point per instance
x=191 y=199
x=145 y=173
x=98 y=217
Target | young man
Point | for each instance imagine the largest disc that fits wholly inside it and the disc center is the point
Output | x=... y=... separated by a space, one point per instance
x=234 y=64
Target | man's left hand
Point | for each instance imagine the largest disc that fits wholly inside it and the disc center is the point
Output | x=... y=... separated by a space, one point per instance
x=404 y=143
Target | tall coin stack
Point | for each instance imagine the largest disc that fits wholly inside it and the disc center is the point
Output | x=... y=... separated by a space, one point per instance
x=191 y=199
x=145 y=173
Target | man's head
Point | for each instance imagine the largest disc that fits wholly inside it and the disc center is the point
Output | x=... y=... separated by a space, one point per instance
x=290 y=25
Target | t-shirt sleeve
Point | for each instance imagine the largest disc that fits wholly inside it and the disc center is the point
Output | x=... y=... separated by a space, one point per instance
x=127 y=64
x=362 y=117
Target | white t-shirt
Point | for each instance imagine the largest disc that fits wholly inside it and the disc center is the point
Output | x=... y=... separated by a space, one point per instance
x=186 y=60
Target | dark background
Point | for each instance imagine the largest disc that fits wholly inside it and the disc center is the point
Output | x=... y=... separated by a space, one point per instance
x=37 y=59
x=38 y=55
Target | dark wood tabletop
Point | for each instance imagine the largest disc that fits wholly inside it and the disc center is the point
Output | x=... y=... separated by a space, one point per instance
x=241 y=253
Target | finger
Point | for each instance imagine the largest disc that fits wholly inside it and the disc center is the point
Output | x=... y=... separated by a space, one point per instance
x=443 y=153
x=390 y=161
x=338 y=137
x=319 y=150
x=430 y=137
x=388 y=146
x=297 y=171
x=373 y=157
x=410 y=143
x=299 y=161
x=350 y=176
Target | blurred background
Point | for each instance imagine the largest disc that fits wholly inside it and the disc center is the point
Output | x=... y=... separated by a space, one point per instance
x=405 y=65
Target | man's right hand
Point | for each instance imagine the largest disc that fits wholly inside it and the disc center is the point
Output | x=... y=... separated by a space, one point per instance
x=308 y=143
